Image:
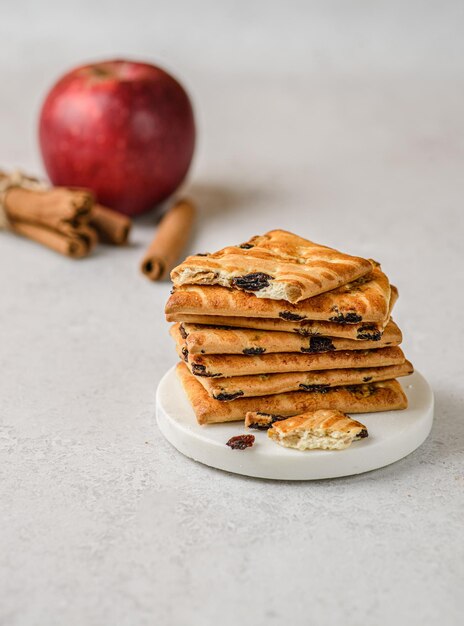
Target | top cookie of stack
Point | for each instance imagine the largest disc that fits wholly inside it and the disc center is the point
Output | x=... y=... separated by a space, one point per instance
x=278 y=266
x=282 y=283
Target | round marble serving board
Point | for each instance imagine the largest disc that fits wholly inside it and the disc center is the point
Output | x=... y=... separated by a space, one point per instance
x=392 y=436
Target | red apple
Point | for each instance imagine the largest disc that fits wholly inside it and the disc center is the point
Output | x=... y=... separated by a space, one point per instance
x=123 y=129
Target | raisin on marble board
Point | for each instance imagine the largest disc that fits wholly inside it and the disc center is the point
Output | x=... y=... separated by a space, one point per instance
x=252 y=282
x=240 y=442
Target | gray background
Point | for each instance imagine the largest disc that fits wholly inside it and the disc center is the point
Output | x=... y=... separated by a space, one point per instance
x=340 y=120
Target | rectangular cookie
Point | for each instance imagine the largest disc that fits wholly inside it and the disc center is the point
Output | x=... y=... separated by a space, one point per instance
x=372 y=397
x=306 y=328
x=223 y=365
x=323 y=429
x=365 y=300
x=200 y=339
x=227 y=389
x=278 y=265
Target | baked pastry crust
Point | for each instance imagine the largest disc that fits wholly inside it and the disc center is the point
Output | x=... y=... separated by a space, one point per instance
x=365 y=300
x=307 y=328
x=323 y=429
x=227 y=389
x=372 y=397
x=200 y=339
x=223 y=365
x=278 y=265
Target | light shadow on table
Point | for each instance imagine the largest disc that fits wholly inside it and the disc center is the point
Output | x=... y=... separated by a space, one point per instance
x=212 y=199
x=215 y=199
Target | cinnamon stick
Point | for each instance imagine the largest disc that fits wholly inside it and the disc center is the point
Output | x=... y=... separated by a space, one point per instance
x=57 y=208
x=65 y=220
x=55 y=217
x=73 y=246
x=170 y=239
x=88 y=234
x=112 y=227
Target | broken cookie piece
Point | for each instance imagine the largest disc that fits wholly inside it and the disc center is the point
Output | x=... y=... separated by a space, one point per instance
x=278 y=265
x=261 y=421
x=323 y=429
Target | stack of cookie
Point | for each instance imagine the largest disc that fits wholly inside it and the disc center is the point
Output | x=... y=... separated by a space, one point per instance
x=282 y=325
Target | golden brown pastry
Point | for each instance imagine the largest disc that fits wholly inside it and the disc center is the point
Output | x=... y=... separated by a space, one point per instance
x=223 y=365
x=227 y=389
x=306 y=328
x=372 y=397
x=365 y=300
x=200 y=339
x=278 y=265
x=322 y=429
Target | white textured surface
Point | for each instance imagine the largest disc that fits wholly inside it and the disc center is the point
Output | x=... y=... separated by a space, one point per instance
x=341 y=120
